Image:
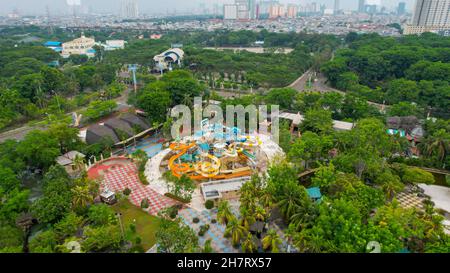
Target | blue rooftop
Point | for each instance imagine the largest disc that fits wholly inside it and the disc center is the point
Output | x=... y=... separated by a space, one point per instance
x=53 y=43
x=314 y=193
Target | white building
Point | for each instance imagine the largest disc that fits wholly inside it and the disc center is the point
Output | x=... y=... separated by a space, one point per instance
x=430 y=16
x=114 y=44
x=230 y=12
x=129 y=9
x=243 y=9
x=165 y=60
x=79 y=46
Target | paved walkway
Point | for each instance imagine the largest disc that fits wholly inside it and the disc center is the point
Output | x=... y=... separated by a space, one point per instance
x=439 y=195
x=119 y=178
x=219 y=243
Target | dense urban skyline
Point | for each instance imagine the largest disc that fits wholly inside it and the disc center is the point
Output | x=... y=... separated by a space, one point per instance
x=31 y=7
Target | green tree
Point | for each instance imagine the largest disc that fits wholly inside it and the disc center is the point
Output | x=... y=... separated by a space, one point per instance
x=347 y=80
x=39 y=149
x=416 y=175
x=68 y=226
x=403 y=109
x=235 y=230
x=248 y=245
x=155 y=104
x=81 y=197
x=224 y=214
x=272 y=241
x=437 y=145
x=44 y=242
x=103 y=238
x=56 y=200
x=101 y=215
x=318 y=121
x=284 y=97
x=310 y=148
x=98 y=109
x=293 y=196
x=176 y=237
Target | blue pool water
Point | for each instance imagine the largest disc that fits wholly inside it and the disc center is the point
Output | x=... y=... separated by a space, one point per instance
x=148 y=145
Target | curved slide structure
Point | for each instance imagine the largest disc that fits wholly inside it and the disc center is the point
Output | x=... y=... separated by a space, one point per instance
x=178 y=169
x=201 y=170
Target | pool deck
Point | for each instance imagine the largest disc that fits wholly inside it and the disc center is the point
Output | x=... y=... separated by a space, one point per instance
x=439 y=195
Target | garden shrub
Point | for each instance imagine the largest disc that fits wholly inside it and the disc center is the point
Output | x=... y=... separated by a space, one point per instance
x=144 y=203
x=209 y=204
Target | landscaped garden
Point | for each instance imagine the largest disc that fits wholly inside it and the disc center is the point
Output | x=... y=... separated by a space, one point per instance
x=146 y=225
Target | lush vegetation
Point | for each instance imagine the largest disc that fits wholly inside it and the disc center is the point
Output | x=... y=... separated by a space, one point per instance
x=395 y=70
x=359 y=172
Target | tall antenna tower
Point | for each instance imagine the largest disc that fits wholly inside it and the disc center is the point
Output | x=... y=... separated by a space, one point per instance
x=49 y=24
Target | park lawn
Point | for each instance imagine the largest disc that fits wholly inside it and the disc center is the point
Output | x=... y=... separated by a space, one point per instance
x=146 y=224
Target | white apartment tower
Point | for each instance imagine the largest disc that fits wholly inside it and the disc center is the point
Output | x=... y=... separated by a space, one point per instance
x=129 y=9
x=336 y=7
x=430 y=16
x=432 y=13
x=230 y=12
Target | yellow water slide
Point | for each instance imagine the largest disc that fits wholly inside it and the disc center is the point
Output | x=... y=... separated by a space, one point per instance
x=178 y=169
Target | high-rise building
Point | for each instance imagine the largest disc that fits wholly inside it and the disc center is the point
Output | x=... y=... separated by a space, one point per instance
x=430 y=16
x=264 y=7
x=230 y=12
x=243 y=11
x=432 y=13
x=362 y=6
x=129 y=9
x=336 y=7
x=401 y=9
x=252 y=6
x=292 y=11
x=276 y=11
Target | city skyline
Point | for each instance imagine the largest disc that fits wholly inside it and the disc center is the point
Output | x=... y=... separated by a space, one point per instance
x=152 y=7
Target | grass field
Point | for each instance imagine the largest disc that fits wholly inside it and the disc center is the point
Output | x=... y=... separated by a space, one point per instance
x=146 y=224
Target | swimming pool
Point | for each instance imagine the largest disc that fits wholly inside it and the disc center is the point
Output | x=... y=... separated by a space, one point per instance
x=149 y=145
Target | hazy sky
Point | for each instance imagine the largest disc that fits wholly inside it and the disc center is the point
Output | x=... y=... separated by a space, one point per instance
x=151 y=6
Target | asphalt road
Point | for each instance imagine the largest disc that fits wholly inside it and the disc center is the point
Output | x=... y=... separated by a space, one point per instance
x=21 y=132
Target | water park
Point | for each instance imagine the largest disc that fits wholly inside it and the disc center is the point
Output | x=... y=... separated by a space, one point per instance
x=218 y=158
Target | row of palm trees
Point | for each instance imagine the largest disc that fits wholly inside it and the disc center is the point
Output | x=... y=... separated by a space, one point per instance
x=256 y=204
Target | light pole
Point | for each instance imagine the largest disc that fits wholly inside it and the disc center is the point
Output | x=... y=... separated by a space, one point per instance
x=119 y=216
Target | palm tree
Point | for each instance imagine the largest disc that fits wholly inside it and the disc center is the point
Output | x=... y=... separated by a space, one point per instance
x=78 y=162
x=207 y=248
x=236 y=231
x=438 y=144
x=247 y=199
x=224 y=214
x=309 y=243
x=187 y=100
x=272 y=241
x=81 y=196
x=303 y=217
x=260 y=213
x=247 y=217
x=390 y=188
x=289 y=233
x=248 y=245
x=266 y=200
x=289 y=202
